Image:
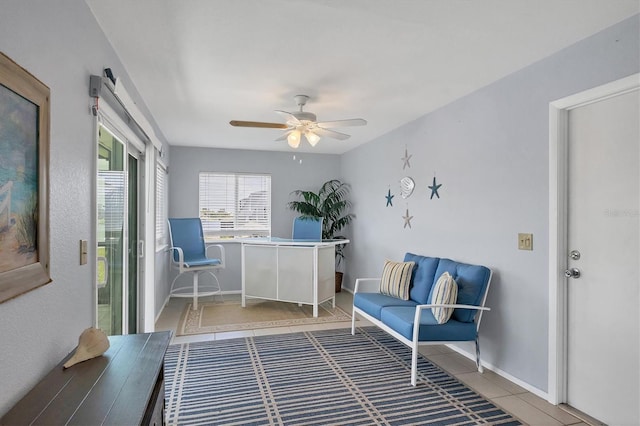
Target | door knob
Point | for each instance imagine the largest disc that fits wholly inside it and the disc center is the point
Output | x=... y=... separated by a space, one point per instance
x=572 y=273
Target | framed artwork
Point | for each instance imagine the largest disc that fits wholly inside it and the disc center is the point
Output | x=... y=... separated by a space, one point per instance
x=24 y=181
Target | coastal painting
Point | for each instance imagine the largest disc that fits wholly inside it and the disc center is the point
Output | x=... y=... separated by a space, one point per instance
x=24 y=176
x=18 y=181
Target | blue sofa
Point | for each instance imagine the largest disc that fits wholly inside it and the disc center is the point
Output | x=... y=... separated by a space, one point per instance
x=411 y=321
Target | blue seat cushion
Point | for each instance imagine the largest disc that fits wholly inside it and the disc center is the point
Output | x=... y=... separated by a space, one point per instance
x=472 y=283
x=372 y=303
x=400 y=318
x=201 y=261
x=422 y=277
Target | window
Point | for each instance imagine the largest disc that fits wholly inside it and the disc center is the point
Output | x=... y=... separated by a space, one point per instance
x=161 y=206
x=235 y=205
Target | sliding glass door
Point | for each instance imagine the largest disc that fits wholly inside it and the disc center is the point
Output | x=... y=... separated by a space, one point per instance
x=118 y=224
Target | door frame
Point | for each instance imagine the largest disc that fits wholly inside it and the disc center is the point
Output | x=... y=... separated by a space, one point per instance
x=139 y=156
x=111 y=119
x=558 y=186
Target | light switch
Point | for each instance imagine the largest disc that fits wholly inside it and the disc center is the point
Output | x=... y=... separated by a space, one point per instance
x=83 y=252
x=525 y=241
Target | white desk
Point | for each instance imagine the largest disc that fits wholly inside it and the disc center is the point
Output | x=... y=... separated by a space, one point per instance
x=287 y=270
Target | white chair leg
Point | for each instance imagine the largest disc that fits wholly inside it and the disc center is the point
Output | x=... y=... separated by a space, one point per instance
x=478 y=362
x=353 y=322
x=414 y=365
x=195 y=291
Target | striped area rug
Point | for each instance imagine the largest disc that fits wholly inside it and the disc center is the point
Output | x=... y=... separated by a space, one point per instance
x=324 y=377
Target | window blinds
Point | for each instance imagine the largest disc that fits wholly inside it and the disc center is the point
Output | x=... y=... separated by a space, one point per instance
x=235 y=205
x=161 y=206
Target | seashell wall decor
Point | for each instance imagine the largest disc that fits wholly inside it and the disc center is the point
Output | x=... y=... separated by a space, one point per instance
x=91 y=343
x=406 y=186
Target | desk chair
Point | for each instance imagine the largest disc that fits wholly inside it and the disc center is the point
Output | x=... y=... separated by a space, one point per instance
x=190 y=255
x=307 y=229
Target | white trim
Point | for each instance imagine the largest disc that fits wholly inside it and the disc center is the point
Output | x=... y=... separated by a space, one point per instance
x=600 y=93
x=526 y=386
x=131 y=109
x=93 y=251
x=110 y=119
x=149 y=237
x=558 y=156
x=164 y=305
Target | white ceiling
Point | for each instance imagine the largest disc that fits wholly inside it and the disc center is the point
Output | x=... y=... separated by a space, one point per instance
x=200 y=63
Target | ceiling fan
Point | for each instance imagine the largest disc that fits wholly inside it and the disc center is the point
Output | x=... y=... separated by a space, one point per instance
x=303 y=123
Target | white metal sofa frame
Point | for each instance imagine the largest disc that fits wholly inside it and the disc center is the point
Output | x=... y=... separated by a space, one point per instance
x=415 y=343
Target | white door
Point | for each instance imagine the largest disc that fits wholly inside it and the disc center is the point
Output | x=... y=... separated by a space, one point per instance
x=603 y=312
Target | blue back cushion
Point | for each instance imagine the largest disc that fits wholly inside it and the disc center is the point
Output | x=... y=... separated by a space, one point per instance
x=307 y=229
x=472 y=283
x=422 y=277
x=186 y=233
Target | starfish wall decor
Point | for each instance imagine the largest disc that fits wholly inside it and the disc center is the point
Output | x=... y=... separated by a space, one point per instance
x=406 y=159
x=407 y=219
x=434 y=189
x=389 y=198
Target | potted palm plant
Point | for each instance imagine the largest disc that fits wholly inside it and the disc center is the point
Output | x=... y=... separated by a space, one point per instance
x=331 y=204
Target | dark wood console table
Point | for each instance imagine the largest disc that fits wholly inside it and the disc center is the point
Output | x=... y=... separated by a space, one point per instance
x=123 y=386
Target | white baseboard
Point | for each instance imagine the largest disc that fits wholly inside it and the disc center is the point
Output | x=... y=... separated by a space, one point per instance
x=542 y=394
x=164 y=305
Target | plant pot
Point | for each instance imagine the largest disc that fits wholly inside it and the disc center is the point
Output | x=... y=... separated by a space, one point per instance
x=338 y=282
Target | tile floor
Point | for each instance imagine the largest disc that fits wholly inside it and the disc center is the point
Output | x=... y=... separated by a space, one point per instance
x=529 y=408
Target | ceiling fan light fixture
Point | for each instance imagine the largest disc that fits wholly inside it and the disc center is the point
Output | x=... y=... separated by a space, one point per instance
x=305 y=123
x=294 y=139
x=312 y=138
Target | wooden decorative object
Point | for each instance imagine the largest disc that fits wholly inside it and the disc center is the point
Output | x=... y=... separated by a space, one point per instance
x=92 y=342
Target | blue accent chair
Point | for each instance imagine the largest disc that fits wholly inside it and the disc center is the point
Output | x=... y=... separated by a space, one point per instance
x=411 y=321
x=190 y=255
x=307 y=228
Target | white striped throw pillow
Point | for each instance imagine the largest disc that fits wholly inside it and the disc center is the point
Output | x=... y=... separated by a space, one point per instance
x=444 y=292
x=396 y=277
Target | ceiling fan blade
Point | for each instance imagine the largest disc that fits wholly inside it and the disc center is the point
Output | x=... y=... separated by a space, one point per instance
x=289 y=117
x=330 y=133
x=284 y=136
x=342 y=123
x=237 y=123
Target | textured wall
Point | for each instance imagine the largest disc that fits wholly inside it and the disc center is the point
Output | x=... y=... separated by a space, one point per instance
x=62 y=45
x=489 y=150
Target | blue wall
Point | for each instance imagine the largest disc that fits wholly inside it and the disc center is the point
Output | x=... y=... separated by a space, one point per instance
x=287 y=175
x=490 y=152
x=61 y=44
